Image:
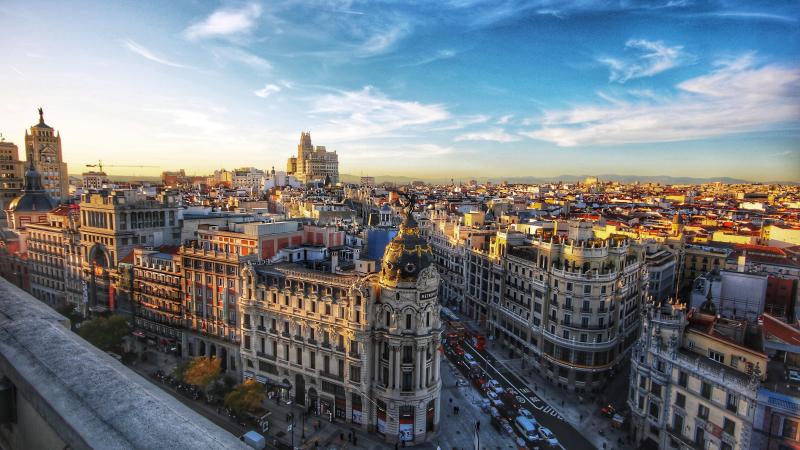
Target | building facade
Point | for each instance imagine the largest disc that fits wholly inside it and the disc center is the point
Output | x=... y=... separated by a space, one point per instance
x=55 y=258
x=313 y=163
x=355 y=346
x=690 y=387
x=573 y=304
x=158 y=296
x=11 y=173
x=43 y=148
x=112 y=224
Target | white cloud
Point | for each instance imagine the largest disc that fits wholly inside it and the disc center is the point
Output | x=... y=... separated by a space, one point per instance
x=406 y=151
x=147 y=54
x=653 y=57
x=225 y=23
x=504 y=119
x=237 y=55
x=463 y=122
x=738 y=96
x=382 y=41
x=369 y=113
x=191 y=119
x=267 y=90
x=494 y=135
x=438 y=56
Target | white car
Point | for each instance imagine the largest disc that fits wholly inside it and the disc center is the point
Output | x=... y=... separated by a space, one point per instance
x=525 y=413
x=794 y=375
x=548 y=436
x=492 y=396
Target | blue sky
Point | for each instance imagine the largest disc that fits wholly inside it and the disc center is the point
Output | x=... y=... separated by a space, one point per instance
x=460 y=88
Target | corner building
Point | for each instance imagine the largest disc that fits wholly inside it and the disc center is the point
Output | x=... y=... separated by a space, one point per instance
x=354 y=346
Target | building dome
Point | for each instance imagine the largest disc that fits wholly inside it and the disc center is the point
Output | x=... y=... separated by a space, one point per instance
x=408 y=254
x=33 y=197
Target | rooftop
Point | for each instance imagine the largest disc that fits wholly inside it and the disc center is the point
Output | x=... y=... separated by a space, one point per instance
x=86 y=397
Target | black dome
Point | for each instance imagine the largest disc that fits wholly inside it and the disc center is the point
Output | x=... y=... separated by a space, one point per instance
x=34 y=197
x=407 y=254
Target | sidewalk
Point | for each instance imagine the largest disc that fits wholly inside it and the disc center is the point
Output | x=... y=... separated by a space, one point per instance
x=581 y=412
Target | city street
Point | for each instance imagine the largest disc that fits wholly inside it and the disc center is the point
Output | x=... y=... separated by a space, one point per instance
x=575 y=421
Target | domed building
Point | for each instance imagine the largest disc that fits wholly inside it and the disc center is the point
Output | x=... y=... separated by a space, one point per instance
x=408 y=334
x=346 y=341
x=32 y=205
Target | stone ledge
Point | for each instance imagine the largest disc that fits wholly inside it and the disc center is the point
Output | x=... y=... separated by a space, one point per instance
x=88 y=398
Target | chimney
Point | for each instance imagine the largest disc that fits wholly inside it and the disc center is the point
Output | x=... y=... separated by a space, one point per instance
x=356 y=254
x=741 y=262
x=334 y=261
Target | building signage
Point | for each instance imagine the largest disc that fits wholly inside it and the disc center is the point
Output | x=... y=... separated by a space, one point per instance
x=428 y=295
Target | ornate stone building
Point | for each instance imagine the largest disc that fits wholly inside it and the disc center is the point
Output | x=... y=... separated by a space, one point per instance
x=11 y=173
x=572 y=303
x=313 y=163
x=157 y=295
x=43 y=148
x=55 y=258
x=357 y=346
x=694 y=380
x=112 y=224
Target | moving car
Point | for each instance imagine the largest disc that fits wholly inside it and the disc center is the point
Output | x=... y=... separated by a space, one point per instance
x=548 y=436
x=526 y=428
x=526 y=414
x=608 y=410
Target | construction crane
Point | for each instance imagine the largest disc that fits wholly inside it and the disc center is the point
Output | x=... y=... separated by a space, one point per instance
x=100 y=165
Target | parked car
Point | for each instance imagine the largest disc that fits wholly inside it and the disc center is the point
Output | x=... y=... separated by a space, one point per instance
x=507 y=428
x=548 y=436
x=793 y=375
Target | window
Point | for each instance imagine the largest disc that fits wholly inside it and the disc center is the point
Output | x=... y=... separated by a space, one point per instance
x=247 y=342
x=407 y=351
x=702 y=411
x=716 y=356
x=643 y=382
x=706 y=390
x=789 y=429
x=587 y=289
x=407 y=381
x=677 y=424
x=408 y=321
x=299 y=355
x=655 y=388
x=312 y=360
x=355 y=374
x=728 y=426
x=654 y=410
x=683 y=379
x=680 y=400
x=732 y=402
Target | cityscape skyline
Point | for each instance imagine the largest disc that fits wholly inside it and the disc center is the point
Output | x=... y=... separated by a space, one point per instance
x=439 y=91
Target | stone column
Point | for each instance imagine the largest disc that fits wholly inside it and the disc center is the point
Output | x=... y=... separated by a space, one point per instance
x=397 y=371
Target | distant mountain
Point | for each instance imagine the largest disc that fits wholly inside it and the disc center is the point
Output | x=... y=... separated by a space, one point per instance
x=662 y=179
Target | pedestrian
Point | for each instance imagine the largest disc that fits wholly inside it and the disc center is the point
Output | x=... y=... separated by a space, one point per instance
x=341 y=437
x=396 y=446
x=316 y=444
x=451 y=400
x=355 y=440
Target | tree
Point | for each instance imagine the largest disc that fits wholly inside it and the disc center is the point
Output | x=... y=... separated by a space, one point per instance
x=245 y=397
x=203 y=372
x=221 y=388
x=105 y=333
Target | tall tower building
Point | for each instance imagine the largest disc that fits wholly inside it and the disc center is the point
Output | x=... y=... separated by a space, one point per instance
x=43 y=148
x=313 y=163
x=407 y=336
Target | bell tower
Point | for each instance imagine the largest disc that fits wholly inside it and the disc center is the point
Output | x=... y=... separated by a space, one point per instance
x=407 y=338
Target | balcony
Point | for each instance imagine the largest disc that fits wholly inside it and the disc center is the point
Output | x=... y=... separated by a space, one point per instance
x=326 y=345
x=262 y=328
x=354 y=355
x=587 y=310
x=340 y=349
x=63 y=392
x=266 y=356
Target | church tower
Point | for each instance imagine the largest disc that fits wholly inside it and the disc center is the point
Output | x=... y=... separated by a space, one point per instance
x=407 y=338
x=43 y=149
